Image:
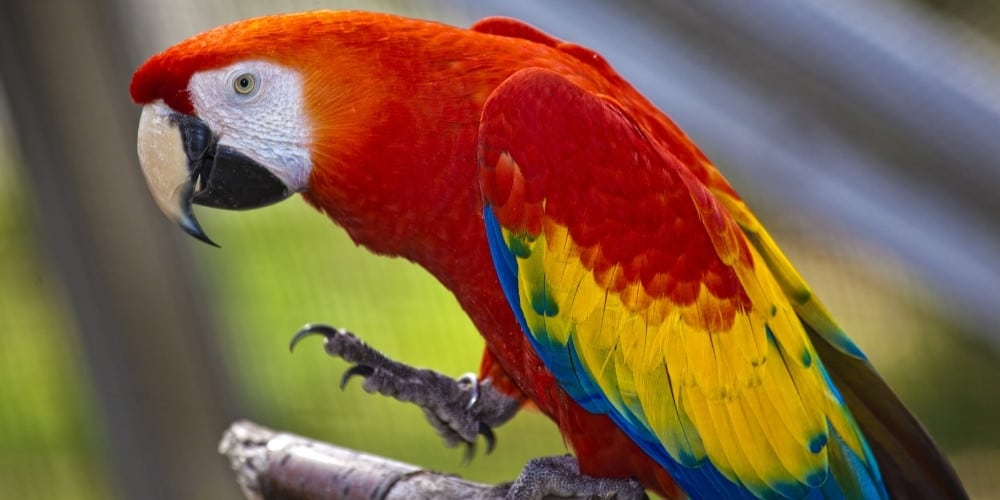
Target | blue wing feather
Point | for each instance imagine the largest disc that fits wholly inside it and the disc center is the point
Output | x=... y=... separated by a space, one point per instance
x=585 y=392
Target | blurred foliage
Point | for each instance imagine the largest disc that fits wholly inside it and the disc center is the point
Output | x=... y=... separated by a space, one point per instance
x=49 y=426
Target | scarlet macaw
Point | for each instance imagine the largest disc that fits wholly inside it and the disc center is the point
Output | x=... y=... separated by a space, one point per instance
x=619 y=281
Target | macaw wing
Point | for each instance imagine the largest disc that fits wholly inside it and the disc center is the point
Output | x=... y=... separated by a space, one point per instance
x=643 y=297
x=911 y=464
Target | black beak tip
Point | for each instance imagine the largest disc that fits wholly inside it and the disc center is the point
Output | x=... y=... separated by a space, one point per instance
x=190 y=226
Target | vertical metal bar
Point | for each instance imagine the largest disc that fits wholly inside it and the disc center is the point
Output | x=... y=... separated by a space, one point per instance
x=143 y=321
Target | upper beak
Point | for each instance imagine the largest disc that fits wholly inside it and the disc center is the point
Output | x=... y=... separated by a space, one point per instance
x=184 y=164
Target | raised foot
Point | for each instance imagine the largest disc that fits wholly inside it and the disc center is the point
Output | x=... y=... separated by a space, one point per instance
x=560 y=477
x=459 y=409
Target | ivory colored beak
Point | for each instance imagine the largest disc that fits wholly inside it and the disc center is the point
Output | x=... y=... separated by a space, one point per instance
x=167 y=166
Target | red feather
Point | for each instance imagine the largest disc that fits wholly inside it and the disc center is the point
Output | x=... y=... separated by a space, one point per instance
x=396 y=105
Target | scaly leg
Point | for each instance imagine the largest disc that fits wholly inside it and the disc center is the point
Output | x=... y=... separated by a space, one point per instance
x=459 y=409
x=462 y=409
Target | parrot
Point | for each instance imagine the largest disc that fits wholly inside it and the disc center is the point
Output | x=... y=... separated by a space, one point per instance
x=621 y=285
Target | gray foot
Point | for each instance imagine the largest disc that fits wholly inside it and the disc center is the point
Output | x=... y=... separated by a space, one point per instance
x=560 y=477
x=459 y=409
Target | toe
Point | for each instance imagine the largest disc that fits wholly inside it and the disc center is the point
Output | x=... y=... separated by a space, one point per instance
x=363 y=371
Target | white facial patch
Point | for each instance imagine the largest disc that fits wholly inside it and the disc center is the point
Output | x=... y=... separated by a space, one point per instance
x=257 y=108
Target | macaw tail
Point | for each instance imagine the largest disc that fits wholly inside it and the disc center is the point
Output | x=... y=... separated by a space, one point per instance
x=911 y=464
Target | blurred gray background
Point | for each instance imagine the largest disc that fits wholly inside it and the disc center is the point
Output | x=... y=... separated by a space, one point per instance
x=866 y=135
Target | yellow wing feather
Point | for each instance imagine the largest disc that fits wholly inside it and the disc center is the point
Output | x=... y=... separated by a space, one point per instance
x=751 y=398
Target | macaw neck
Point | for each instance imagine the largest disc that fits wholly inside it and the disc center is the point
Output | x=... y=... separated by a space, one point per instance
x=397 y=167
x=395 y=146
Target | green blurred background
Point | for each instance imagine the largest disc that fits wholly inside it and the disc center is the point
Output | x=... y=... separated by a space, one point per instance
x=102 y=396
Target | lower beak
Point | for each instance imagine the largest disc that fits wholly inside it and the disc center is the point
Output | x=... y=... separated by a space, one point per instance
x=184 y=164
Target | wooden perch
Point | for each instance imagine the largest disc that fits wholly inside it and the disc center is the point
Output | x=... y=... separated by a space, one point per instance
x=275 y=465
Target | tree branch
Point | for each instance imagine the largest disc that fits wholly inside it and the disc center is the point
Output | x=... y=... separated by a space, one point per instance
x=271 y=465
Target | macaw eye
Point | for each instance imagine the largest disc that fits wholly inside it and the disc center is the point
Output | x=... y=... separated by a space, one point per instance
x=244 y=84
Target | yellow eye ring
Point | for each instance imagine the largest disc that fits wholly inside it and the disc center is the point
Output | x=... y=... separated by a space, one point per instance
x=244 y=84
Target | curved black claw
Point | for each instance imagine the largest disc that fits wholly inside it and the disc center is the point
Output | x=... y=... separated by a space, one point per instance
x=470 y=446
x=491 y=439
x=363 y=371
x=310 y=329
x=469 y=454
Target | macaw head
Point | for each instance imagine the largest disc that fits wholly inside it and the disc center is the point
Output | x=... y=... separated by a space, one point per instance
x=366 y=115
x=219 y=129
x=229 y=117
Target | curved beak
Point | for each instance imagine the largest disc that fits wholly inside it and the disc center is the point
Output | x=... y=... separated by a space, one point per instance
x=184 y=164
